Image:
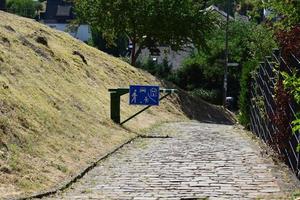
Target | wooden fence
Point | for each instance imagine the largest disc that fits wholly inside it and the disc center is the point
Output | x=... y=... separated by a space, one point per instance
x=262 y=93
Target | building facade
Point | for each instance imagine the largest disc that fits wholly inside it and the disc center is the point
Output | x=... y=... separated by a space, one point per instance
x=59 y=14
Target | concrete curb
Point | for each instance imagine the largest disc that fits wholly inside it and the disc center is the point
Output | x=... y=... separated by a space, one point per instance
x=66 y=184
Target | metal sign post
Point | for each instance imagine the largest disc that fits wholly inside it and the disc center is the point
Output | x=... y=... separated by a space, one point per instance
x=138 y=95
x=144 y=95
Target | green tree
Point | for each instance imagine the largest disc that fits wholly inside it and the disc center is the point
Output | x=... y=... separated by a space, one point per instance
x=283 y=13
x=161 y=70
x=248 y=43
x=287 y=12
x=25 y=8
x=117 y=50
x=150 y=23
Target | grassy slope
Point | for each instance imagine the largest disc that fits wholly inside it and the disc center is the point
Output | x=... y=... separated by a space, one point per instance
x=54 y=108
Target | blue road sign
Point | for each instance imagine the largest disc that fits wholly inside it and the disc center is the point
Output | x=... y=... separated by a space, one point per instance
x=144 y=95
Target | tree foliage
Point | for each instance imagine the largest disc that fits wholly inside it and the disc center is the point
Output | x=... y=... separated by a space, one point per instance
x=244 y=97
x=289 y=41
x=120 y=49
x=261 y=42
x=150 y=23
x=247 y=41
x=286 y=12
x=292 y=85
x=161 y=70
x=283 y=14
x=25 y=8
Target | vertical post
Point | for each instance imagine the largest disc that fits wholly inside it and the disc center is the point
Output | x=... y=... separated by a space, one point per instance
x=133 y=55
x=226 y=56
x=115 y=107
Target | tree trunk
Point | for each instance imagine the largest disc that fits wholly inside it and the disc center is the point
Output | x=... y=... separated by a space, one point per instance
x=133 y=54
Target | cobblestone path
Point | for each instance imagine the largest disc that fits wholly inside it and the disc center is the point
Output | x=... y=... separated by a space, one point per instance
x=199 y=161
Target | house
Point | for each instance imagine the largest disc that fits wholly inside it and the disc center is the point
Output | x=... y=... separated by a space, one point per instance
x=59 y=14
x=219 y=12
x=158 y=55
x=237 y=16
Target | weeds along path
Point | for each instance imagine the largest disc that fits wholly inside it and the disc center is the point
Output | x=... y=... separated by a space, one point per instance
x=198 y=160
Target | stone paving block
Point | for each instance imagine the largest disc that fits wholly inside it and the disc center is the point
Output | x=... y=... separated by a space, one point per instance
x=200 y=160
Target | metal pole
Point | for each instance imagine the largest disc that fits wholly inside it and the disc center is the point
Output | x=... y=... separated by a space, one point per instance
x=226 y=55
x=136 y=114
x=115 y=95
x=115 y=107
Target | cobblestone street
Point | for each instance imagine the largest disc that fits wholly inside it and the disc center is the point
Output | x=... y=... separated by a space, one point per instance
x=198 y=161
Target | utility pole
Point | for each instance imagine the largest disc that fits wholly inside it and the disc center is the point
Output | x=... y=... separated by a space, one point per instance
x=226 y=56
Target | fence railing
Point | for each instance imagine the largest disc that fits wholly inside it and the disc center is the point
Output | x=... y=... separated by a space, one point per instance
x=263 y=105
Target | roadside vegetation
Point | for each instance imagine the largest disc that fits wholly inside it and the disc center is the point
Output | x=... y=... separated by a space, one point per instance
x=284 y=20
x=25 y=8
x=148 y=24
x=202 y=73
x=272 y=24
x=248 y=43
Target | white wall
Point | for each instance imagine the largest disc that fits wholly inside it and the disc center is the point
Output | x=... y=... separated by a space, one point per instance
x=83 y=32
x=175 y=58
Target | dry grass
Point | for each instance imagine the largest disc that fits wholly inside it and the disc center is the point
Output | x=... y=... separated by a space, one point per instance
x=54 y=107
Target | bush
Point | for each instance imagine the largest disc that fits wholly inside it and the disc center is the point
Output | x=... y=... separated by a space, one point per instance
x=205 y=69
x=25 y=8
x=280 y=118
x=212 y=96
x=292 y=85
x=188 y=77
x=289 y=41
x=192 y=77
x=117 y=48
x=161 y=70
x=244 y=98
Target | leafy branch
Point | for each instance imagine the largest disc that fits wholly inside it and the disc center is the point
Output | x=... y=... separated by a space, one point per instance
x=292 y=84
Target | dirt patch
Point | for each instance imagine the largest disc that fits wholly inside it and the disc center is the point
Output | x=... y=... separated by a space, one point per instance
x=48 y=54
x=77 y=53
x=5 y=42
x=42 y=40
x=9 y=28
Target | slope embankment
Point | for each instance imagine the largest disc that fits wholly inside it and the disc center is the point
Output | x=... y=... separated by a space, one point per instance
x=54 y=106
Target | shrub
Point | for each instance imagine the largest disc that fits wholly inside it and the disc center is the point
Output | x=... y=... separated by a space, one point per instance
x=244 y=98
x=161 y=70
x=189 y=77
x=247 y=43
x=289 y=41
x=281 y=118
x=292 y=85
x=118 y=48
x=212 y=96
x=25 y=8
